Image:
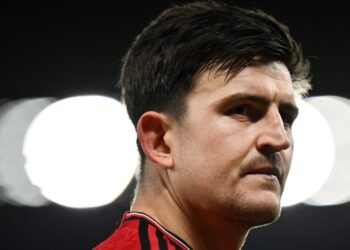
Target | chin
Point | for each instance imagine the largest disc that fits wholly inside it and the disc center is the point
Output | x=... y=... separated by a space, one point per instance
x=258 y=213
x=265 y=216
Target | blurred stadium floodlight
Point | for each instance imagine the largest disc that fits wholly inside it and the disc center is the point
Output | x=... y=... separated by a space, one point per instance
x=15 y=118
x=336 y=190
x=81 y=151
x=313 y=155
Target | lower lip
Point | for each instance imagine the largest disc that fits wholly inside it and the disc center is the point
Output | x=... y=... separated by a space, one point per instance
x=268 y=177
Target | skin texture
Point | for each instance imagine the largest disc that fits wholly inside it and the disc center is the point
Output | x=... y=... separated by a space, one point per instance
x=220 y=170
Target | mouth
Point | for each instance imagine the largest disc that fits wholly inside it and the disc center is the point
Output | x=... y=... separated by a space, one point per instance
x=270 y=172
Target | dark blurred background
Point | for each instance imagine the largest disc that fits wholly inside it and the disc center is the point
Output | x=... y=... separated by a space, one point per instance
x=57 y=49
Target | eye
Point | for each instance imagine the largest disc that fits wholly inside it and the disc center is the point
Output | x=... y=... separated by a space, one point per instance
x=243 y=110
x=246 y=112
x=288 y=119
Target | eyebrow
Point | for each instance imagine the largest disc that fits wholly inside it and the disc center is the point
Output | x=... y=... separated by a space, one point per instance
x=239 y=97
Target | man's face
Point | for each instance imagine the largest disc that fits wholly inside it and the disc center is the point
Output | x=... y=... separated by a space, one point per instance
x=233 y=149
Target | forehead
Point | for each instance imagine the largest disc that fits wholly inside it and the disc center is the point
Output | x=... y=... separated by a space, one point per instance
x=270 y=80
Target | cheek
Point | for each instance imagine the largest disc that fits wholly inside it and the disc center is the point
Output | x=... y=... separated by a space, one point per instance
x=287 y=157
x=219 y=142
x=210 y=155
x=289 y=152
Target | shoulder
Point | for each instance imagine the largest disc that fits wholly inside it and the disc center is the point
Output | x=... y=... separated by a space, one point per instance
x=125 y=237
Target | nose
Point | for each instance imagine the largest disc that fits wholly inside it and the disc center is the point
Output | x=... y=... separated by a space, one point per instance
x=273 y=136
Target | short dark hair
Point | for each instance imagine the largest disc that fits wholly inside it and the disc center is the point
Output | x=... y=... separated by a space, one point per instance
x=166 y=58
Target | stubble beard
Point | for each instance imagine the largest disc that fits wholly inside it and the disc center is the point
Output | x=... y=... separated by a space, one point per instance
x=255 y=215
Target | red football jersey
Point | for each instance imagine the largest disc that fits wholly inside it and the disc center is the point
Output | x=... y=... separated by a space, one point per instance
x=139 y=231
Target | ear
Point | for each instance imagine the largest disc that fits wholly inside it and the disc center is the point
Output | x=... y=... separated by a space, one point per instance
x=152 y=132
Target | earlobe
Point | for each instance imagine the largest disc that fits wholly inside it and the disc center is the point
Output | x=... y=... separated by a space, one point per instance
x=152 y=131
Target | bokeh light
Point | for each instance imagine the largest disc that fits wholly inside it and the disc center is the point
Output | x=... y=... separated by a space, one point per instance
x=15 y=118
x=313 y=155
x=336 y=190
x=81 y=151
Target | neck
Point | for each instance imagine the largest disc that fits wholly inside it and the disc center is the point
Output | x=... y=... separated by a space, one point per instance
x=201 y=230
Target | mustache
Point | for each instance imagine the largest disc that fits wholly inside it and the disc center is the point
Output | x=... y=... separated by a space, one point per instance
x=273 y=161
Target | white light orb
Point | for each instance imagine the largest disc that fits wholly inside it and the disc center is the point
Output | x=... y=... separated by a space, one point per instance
x=81 y=151
x=337 y=188
x=15 y=118
x=313 y=155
